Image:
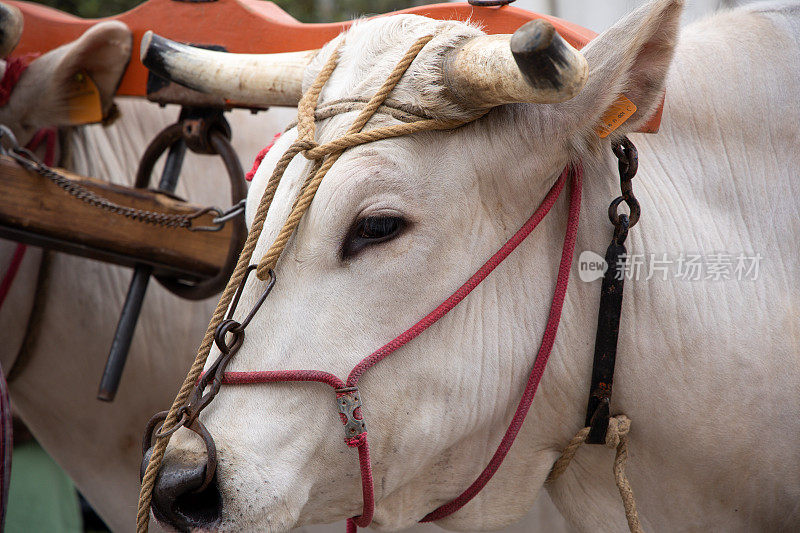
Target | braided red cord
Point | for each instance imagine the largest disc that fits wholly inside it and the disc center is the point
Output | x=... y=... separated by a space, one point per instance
x=48 y=136
x=274 y=376
x=360 y=442
x=11 y=271
x=539 y=364
x=465 y=289
x=260 y=157
x=6 y=445
x=15 y=66
x=367 y=494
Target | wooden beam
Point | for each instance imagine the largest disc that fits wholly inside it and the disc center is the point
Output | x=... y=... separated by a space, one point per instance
x=36 y=211
x=256 y=26
x=247 y=26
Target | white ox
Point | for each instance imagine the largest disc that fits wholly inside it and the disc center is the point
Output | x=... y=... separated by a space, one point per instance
x=707 y=370
x=99 y=444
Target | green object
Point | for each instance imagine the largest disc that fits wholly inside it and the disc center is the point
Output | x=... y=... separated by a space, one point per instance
x=41 y=496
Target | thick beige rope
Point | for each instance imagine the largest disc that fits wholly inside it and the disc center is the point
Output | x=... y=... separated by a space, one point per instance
x=331 y=151
x=306 y=145
x=616 y=438
x=148 y=481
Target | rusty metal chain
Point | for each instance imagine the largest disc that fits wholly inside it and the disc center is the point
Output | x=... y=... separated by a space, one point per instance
x=30 y=162
x=229 y=337
x=628 y=162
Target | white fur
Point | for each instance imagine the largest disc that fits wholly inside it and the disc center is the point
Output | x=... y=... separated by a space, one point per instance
x=706 y=370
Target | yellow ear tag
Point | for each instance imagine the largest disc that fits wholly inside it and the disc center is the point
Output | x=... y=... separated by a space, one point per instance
x=617 y=114
x=84 y=100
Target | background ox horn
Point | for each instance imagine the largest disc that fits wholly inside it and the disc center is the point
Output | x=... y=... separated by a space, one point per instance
x=534 y=65
x=255 y=80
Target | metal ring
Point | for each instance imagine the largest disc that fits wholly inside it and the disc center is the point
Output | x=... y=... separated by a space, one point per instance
x=166 y=138
x=178 y=425
x=633 y=206
x=211 y=453
x=612 y=210
x=197 y=427
x=221 y=332
x=150 y=429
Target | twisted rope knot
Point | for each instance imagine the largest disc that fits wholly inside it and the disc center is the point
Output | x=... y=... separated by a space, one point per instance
x=617 y=439
x=304 y=146
x=618 y=427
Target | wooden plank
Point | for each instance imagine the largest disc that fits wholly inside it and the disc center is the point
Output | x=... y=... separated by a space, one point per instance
x=247 y=26
x=35 y=210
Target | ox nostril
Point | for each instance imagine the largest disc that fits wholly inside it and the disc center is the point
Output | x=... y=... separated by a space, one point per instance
x=176 y=501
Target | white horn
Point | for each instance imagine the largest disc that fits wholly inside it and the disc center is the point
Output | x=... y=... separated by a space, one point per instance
x=11 y=22
x=249 y=80
x=534 y=65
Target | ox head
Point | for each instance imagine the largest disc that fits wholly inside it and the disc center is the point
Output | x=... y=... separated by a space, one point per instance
x=44 y=94
x=395 y=227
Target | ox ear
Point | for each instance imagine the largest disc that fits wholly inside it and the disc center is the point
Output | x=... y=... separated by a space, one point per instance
x=102 y=53
x=56 y=82
x=631 y=59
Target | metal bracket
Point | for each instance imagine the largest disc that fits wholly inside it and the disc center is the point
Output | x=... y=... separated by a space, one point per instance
x=348 y=400
x=490 y=3
x=203 y=130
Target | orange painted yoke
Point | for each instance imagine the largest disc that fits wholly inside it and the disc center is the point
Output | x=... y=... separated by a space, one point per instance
x=252 y=26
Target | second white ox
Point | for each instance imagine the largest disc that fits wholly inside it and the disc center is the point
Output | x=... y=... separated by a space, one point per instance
x=55 y=386
x=707 y=369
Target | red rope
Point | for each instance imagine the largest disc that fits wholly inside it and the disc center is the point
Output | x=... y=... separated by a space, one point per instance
x=464 y=290
x=15 y=66
x=49 y=136
x=360 y=442
x=367 y=493
x=260 y=157
x=539 y=364
x=11 y=271
x=275 y=376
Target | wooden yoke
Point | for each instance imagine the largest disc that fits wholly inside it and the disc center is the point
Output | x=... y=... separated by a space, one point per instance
x=254 y=26
x=34 y=210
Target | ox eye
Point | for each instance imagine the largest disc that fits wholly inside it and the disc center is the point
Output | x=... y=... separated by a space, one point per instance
x=371 y=230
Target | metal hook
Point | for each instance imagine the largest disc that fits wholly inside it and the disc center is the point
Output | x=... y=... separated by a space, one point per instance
x=6 y=133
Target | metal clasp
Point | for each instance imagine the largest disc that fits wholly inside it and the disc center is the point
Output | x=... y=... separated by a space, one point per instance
x=628 y=163
x=221 y=217
x=8 y=142
x=347 y=401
